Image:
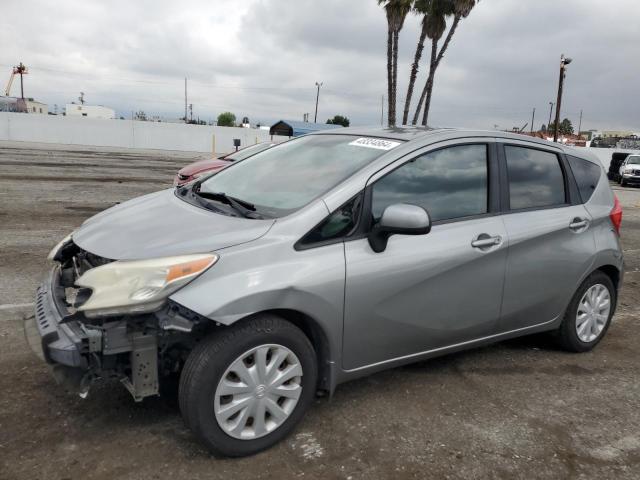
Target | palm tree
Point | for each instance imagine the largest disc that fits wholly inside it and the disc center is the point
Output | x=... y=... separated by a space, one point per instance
x=396 y=11
x=419 y=7
x=436 y=20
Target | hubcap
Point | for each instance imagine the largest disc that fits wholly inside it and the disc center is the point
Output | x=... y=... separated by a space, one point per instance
x=258 y=392
x=593 y=313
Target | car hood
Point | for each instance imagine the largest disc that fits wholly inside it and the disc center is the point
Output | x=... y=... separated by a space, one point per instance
x=159 y=225
x=203 y=165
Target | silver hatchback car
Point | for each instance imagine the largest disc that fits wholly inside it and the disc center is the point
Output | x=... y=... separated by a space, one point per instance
x=326 y=258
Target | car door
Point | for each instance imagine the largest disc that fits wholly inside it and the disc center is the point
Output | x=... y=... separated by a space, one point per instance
x=428 y=291
x=551 y=245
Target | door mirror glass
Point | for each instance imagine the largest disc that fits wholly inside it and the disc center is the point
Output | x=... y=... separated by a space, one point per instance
x=399 y=218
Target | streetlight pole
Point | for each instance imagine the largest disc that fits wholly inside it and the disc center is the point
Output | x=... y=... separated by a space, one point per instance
x=533 y=116
x=563 y=64
x=315 y=118
x=551 y=104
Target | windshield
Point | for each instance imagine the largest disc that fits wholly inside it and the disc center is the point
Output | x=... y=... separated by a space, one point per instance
x=633 y=161
x=288 y=176
x=247 y=152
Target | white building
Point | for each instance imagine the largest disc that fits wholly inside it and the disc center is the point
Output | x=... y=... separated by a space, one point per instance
x=33 y=106
x=91 y=111
x=23 y=105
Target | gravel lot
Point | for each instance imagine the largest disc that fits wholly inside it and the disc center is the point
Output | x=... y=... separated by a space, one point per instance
x=518 y=409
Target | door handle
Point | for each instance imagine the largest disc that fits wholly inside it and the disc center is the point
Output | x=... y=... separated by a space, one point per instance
x=485 y=241
x=578 y=224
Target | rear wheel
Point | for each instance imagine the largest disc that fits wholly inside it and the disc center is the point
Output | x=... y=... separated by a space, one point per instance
x=589 y=314
x=245 y=388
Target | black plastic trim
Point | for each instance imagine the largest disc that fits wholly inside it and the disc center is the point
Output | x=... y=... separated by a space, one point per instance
x=60 y=344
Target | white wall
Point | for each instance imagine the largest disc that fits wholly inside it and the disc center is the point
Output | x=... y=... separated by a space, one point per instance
x=59 y=129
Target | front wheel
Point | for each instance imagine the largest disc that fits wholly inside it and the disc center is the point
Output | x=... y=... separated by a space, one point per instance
x=245 y=388
x=589 y=314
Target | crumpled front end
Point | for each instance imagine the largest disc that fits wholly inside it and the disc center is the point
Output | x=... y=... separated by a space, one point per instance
x=138 y=350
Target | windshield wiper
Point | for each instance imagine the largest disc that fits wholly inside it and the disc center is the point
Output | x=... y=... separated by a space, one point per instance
x=246 y=209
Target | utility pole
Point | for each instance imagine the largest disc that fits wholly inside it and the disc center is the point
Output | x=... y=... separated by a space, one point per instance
x=580 y=123
x=315 y=119
x=550 y=112
x=185 y=100
x=191 y=111
x=21 y=70
x=563 y=64
x=533 y=116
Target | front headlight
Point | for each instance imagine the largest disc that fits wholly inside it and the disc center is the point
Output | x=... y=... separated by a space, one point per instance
x=54 y=251
x=139 y=286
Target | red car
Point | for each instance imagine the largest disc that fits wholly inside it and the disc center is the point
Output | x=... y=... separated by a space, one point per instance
x=202 y=167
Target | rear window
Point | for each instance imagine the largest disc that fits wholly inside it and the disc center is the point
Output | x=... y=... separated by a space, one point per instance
x=586 y=174
x=535 y=178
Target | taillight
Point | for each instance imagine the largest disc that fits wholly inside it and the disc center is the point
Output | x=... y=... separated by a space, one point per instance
x=616 y=214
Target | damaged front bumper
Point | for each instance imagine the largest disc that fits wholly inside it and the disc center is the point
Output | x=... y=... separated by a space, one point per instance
x=80 y=352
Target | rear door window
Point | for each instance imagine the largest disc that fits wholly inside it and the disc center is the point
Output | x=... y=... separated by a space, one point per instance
x=586 y=174
x=535 y=178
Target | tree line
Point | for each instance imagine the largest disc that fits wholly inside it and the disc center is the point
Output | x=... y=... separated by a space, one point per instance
x=228 y=119
x=564 y=128
x=436 y=15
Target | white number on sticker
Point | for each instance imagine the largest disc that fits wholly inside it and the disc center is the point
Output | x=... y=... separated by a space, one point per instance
x=376 y=143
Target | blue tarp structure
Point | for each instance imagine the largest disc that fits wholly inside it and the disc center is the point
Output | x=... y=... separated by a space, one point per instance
x=292 y=128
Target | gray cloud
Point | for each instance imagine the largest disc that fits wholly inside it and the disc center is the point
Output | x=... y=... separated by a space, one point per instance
x=261 y=58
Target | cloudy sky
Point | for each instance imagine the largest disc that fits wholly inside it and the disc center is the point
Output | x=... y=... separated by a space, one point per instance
x=261 y=58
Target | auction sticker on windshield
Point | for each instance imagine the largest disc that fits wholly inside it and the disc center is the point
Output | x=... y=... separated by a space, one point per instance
x=376 y=143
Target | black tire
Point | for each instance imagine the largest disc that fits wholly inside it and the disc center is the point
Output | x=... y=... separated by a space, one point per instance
x=210 y=359
x=623 y=183
x=567 y=335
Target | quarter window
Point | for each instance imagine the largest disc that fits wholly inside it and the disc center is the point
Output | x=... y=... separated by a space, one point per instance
x=586 y=174
x=448 y=183
x=535 y=178
x=338 y=225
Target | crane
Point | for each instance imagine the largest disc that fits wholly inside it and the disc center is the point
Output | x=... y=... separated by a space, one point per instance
x=19 y=70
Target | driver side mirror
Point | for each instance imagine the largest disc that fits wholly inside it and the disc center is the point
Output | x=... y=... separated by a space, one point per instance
x=399 y=218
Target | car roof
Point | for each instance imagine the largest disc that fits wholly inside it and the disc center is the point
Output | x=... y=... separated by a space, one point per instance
x=406 y=133
x=412 y=133
x=423 y=136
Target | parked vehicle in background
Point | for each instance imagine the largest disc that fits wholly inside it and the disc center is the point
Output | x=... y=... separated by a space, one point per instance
x=630 y=170
x=326 y=258
x=202 y=167
x=614 y=166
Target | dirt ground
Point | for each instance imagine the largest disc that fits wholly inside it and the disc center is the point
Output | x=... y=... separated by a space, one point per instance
x=518 y=409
